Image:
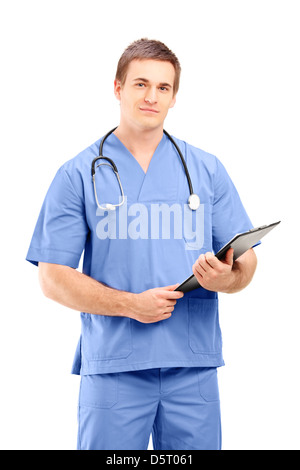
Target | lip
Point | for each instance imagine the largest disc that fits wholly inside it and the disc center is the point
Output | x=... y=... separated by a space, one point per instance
x=149 y=110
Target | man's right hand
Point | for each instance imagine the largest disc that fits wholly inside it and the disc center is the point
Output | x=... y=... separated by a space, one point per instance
x=80 y=292
x=156 y=304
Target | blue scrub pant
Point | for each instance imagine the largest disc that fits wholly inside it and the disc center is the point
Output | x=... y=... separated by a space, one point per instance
x=179 y=406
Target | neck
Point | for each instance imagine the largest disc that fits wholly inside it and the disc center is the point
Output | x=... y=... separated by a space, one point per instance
x=139 y=141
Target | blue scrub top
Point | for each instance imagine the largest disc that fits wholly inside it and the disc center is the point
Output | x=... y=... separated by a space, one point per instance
x=152 y=240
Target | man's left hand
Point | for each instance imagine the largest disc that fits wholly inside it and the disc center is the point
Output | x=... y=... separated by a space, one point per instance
x=213 y=274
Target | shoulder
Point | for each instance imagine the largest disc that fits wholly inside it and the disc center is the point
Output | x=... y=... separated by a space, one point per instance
x=198 y=157
x=83 y=160
x=74 y=173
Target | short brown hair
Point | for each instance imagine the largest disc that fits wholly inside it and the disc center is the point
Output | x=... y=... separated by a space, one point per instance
x=147 y=49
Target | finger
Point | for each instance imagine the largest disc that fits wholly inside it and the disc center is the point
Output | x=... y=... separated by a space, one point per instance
x=166 y=316
x=211 y=260
x=197 y=270
x=171 y=303
x=168 y=309
x=201 y=263
x=201 y=269
x=171 y=295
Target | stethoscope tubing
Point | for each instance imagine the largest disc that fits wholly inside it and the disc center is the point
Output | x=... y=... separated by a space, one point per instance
x=114 y=167
x=183 y=162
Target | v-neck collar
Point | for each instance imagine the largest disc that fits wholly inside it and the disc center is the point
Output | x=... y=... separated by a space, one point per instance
x=159 y=183
x=132 y=156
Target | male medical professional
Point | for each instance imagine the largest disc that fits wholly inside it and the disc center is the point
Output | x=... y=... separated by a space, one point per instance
x=148 y=355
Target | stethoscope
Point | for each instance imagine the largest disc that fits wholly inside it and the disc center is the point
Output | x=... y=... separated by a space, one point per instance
x=193 y=200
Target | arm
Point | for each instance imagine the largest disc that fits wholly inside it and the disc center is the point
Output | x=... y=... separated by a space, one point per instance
x=225 y=276
x=80 y=292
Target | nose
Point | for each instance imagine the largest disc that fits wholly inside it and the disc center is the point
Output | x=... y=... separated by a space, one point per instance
x=151 y=97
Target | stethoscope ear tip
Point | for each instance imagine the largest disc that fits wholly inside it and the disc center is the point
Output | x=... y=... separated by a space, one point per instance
x=110 y=207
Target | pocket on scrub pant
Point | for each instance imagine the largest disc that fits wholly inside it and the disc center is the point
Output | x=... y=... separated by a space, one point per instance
x=99 y=391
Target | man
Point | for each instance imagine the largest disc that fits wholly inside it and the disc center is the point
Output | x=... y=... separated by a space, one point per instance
x=147 y=355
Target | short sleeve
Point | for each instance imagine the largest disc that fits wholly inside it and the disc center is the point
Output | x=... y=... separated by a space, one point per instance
x=229 y=216
x=61 y=230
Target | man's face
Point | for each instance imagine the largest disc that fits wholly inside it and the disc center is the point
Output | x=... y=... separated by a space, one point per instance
x=147 y=94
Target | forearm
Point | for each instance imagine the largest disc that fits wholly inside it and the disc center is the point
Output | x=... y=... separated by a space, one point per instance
x=80 y=292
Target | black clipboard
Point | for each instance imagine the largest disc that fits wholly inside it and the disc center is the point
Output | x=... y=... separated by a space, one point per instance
x=240 y=243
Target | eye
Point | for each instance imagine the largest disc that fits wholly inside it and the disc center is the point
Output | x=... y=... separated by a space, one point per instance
x=140 y=85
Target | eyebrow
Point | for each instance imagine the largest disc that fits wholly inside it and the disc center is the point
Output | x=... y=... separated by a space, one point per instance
x=145 y=80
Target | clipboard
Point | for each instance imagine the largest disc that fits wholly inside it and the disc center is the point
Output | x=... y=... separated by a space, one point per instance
x=240 y=243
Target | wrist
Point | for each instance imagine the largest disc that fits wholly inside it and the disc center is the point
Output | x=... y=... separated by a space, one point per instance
x=129 y=305
x=234 y=282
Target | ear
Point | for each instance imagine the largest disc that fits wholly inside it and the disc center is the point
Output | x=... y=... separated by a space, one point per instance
x=173 y=102
x=117 y=89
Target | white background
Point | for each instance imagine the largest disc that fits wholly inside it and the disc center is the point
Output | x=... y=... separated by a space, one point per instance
x=239 y=99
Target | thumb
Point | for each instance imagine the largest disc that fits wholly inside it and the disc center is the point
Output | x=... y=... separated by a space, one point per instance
x=229 y=257
x=170 y=288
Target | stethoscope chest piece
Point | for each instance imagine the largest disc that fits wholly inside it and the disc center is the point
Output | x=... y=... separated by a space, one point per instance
x=194 y=202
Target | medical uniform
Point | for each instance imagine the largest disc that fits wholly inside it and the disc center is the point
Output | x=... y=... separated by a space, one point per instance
x=152 y=240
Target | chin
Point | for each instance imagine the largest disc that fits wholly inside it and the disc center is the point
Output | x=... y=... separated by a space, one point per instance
x=150 y=124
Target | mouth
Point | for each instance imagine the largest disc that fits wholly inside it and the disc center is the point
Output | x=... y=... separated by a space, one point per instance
x=149 y=110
